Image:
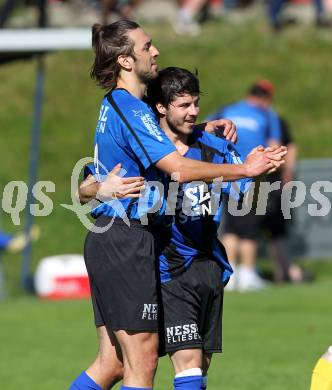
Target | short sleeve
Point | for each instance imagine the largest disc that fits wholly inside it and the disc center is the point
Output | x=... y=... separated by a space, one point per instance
x=148 y=141
x=141 y=128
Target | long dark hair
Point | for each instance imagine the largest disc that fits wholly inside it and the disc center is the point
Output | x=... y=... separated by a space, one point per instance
x=109 y=42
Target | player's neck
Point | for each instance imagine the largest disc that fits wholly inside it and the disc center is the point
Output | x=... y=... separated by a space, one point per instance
x=179 y=140
x=132 y=85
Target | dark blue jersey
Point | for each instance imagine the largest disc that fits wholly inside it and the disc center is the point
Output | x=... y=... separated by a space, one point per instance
x=134 y=139
x=193 y=231
x=255 y=125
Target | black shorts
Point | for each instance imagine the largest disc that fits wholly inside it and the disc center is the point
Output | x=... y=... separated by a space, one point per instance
x=273 y=222
x=121 y=264
x=245 y=227
x=191 y=315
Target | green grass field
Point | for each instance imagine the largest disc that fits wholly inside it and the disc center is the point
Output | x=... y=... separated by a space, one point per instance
x=271 y=339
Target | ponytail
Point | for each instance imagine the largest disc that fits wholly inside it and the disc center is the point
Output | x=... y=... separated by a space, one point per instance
x=108 y=43
x=97 y=33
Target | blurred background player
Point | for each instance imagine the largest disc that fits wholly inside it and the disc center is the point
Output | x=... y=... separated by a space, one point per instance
x=277 y=22
x=186 y=21
x=274 y=226
x=257 y=124
x=124 y=8
x=16 y=243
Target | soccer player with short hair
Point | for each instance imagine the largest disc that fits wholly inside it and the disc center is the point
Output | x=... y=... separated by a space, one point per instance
x=121 y=260
x=193 y=264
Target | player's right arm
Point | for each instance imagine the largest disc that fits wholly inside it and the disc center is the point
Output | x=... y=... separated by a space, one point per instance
x=259 y=161
x=187 y=170
x=152 y=147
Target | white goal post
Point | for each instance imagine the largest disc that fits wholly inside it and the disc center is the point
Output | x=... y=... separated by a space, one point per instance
x=44 y=39
x=16 y=44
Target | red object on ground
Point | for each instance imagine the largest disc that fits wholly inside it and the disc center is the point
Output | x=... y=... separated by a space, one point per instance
x=70 y=287
x=62 y=277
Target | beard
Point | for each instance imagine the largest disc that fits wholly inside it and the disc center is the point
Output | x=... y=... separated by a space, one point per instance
x=177 y=128
x=145 y=76
x=173 y=126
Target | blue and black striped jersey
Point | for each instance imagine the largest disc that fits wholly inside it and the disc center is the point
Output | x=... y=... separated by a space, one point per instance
x=128 y=132
x=193 y=231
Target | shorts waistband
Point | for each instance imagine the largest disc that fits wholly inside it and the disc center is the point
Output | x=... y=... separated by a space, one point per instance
x=104 y=220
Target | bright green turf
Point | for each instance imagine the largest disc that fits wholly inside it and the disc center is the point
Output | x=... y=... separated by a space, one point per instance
x=271 y=341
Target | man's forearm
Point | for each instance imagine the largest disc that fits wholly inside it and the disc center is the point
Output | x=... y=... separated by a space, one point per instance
x=88 y=191
x=192 y=170
x=185 y=169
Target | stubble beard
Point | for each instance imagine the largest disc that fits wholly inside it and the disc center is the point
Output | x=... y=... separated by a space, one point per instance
x=176 y=128
x=146 y=76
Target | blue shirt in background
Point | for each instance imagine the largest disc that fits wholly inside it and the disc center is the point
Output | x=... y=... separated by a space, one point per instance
x=255 y=125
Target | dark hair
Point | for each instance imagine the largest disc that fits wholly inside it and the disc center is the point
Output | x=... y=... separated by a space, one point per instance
x=259 y=91
x=170 y=83
x=109 y=42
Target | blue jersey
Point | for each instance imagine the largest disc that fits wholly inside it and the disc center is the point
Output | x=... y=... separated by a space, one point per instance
x=136 y=141
x=255 y=125
x=193 y=231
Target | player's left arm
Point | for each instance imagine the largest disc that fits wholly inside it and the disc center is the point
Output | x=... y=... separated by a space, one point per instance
x=87 y=189
x=113 y=187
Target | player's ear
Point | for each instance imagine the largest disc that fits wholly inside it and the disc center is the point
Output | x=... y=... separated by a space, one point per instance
x=125 y=62
x=161 y=108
